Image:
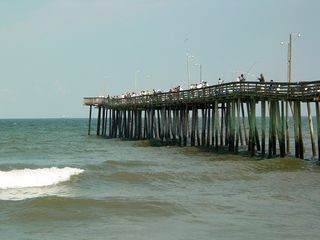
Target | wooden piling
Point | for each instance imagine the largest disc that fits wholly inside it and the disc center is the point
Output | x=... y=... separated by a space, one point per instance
x=110 y=123
x=263 y=127
x=185 y=125
x=203 y=126
x=193 y=126
x=232 y=126
x=282 y=138
x=318 y=127
x=103 y=120
x=272 y=129
x=208 y=137
x=181 y=126
x=238 y=126
x=105 y=123
x=215 y=114
x=252 y=133
x=297 y=130
x=197 y=127
x=287 y=127
x=311 y=131
x=301 y=146
x=226 y=124
x=98 y=121
x=222 y=124
x=244 y=124
x=90 y=113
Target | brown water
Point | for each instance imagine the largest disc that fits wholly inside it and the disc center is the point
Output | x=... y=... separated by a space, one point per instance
x=129 y=190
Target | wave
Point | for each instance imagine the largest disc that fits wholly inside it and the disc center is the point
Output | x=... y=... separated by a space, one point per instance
x=137 y=177
x=70 y=208
x=131 y=163
x=41 y=177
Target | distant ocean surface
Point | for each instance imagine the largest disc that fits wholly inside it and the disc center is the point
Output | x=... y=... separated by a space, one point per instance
x=58 y=183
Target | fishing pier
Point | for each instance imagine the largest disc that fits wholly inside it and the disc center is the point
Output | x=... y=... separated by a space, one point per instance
x=236 y=116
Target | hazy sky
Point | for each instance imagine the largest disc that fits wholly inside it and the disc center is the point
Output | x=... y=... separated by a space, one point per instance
x=54 y=53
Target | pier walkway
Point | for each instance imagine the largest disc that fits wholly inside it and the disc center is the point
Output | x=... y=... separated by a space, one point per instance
x=236 y=115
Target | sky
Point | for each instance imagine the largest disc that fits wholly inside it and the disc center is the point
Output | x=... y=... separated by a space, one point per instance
x=55 y=52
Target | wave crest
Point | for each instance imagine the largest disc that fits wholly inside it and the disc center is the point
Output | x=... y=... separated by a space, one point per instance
x=41 y=177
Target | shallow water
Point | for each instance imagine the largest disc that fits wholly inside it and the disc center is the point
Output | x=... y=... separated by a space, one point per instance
x=129 y=190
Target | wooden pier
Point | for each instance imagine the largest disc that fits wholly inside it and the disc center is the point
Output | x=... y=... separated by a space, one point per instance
x=237 y=116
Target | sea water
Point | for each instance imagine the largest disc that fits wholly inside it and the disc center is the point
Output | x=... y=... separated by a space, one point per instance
x=56 y=182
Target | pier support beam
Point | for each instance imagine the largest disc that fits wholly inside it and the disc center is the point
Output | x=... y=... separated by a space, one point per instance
x=311 y=131
x=272 y=128
x=193 y=126
x=263 y=127
x=99 y=121
x=287 y=127
x=252 y=122
x=215 y=121
x=208 y=138
x=282 y=140
x=297 y=130
x=90 y=113
x=318 y=127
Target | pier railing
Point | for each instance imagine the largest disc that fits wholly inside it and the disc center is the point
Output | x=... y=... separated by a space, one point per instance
x=302 y=91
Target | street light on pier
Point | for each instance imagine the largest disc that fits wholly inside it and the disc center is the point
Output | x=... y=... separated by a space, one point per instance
x=200 y=70
x=150 y=81
x=189 y=59
x=296 y=34
x=135 y=80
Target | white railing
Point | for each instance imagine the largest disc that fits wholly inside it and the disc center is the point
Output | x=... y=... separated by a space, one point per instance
x=302 y=90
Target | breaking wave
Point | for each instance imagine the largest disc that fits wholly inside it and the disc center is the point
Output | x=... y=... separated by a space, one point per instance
x=41 y=177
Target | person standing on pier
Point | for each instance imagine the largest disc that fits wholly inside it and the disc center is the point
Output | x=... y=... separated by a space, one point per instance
x=242 y=78
x=272 y=86
x=261 y=78
x=220 y=81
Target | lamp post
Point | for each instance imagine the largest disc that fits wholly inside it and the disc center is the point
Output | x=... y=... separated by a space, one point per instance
x=150 y=81
x=298 y=34
x=200 y=70
x=106 y=82
x=189 y=59
x=135 y=80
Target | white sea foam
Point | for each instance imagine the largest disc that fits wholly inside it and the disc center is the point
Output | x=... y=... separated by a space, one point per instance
x=41 y=177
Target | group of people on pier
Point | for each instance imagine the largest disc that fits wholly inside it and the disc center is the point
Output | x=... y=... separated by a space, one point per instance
x=242 y=78
x=202 y=84
x=178 y=88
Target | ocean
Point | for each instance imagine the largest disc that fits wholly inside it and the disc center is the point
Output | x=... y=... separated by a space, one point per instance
x=56 y=182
